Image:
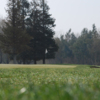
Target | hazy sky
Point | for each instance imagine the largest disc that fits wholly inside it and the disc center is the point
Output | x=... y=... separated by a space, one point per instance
x=74 y=14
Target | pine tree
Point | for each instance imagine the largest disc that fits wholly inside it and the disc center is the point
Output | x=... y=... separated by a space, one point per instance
x=49 y=47
x=34 y=25
x=24 y=12
x=14 y=39
x=41 y=29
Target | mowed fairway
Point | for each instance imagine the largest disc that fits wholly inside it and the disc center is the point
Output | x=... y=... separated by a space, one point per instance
x=49 y=82
x=36 y=66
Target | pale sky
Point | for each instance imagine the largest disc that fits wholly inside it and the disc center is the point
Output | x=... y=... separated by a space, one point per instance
x=74 y=14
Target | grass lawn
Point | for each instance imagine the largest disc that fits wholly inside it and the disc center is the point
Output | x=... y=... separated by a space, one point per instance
x=49 y=82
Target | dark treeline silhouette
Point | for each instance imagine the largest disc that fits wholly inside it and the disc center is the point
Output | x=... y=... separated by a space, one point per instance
x=27 y=33
x=84 y=49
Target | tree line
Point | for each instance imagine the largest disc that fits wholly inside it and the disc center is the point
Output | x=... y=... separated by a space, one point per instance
x=27 y=32
x=83 y=49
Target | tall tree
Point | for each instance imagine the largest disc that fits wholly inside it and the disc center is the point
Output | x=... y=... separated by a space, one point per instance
x=41 y=29
x=48 y=23
x=95 y=45
x=34 y=29
x=24 y=12
x=14 y=39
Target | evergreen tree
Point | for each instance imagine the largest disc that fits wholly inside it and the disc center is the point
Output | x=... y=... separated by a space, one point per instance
x=34 y=29
x=24 y=12
x=14 y=39
x=41 y=29
x=47 y=42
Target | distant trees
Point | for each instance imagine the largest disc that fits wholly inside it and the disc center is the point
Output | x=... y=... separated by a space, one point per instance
x=84 y=49
x=65 y=43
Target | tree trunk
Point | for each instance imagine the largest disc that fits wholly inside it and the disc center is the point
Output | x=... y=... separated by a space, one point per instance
x=35 y=61
x=44 y=36
x=14 y=60
x=44 y=57
x=43 y=60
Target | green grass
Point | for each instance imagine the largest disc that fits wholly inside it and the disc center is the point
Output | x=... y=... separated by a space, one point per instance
x=49 y=82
